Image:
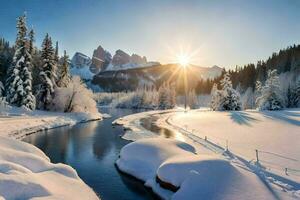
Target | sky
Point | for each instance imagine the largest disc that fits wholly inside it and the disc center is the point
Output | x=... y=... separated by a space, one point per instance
x=215 y=32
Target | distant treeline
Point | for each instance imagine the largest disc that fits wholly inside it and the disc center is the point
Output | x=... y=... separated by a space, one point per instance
x=243 y=77
x=6 y=57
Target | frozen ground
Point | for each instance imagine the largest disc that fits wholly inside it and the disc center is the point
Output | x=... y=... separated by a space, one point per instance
x=25 y=171
x=274 y=134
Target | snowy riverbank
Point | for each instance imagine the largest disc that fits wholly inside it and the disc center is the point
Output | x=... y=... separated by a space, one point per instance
x=246 y=126
x=26 y=172
x=132 y=124
x=17 y=123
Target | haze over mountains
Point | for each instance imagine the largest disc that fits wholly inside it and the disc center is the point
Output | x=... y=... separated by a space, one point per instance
x=128 y=72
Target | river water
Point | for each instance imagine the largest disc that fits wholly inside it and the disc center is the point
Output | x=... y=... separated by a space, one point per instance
x=92 y=149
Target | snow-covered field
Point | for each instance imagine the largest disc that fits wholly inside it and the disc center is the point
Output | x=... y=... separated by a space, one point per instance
x=274 y=134
x=25 y=171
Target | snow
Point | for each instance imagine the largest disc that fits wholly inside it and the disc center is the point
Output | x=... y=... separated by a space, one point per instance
x=16 y=122
x=271 y=96
x=274 y=133
x=26 y=173
x=83 y=72
x=156 y=150
x=94 y=57
x=196 y=176
x=134 y=130
x=130 y=65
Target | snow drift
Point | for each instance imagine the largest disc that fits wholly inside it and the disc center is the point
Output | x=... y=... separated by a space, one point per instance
x=197 y=176
x=26 y=172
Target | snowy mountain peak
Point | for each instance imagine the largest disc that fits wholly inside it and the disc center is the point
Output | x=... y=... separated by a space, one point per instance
x=80 y=60
x=80 y=66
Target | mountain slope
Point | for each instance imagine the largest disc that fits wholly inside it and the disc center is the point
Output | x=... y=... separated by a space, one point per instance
x=132 y=78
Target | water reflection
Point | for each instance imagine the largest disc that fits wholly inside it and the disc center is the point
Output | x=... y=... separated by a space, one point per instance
x=149 y=124
x=92 y=149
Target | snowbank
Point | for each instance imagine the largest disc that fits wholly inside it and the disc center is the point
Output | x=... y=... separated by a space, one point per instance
x=155 y=150
x=134 y=129
x=17 y=123
x=197 y=176
x=26 y=172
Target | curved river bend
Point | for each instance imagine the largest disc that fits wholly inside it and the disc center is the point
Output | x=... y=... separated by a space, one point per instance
x=92 y=149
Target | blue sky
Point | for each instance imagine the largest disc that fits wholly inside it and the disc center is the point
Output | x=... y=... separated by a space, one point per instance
x=224 y=32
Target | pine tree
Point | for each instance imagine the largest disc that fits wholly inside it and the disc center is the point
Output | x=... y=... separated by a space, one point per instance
x=172 y=96
x=192 y=100
x=258 y=88
x=65 y=77
x=271 y=96
x=6 y=58
x=19 y=80
x=230 y=97
x=163 y=97
x=291 y=97
x=56 y=57
x=297 y=98
x=56 y=70
x=248 y=99
x=47 y=85
x=1 y=89
x=31 y=41
x=215 y=97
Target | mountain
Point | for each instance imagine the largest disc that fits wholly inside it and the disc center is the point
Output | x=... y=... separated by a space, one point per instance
x=86 y=67
x=128 y=72
x=155 y=75
x=80 y=66
x=100 y=60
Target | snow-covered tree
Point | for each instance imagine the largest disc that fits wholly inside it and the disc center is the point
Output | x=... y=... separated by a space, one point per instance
x=56 y=56
x=192 y=100
x=31 y=41
x=163 y=98
x=227 y=98
x=57 y=70
x=298 y=92
x=1 y=89
x=46 y=88
x=4 y=106
x=28 y=101
x=64 y=77
x=74 y=98
x=248 y=99
x=271 y=95
x=291 y=97
x=166 y=96
x=149 y=97
x=172 y=95
x=257 y=93
x=19 y=80
x=215 y=98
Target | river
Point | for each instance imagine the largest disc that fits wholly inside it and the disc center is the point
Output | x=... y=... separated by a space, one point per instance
x=92 y=149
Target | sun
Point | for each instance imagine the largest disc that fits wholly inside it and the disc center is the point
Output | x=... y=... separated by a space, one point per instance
x=183 y=60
